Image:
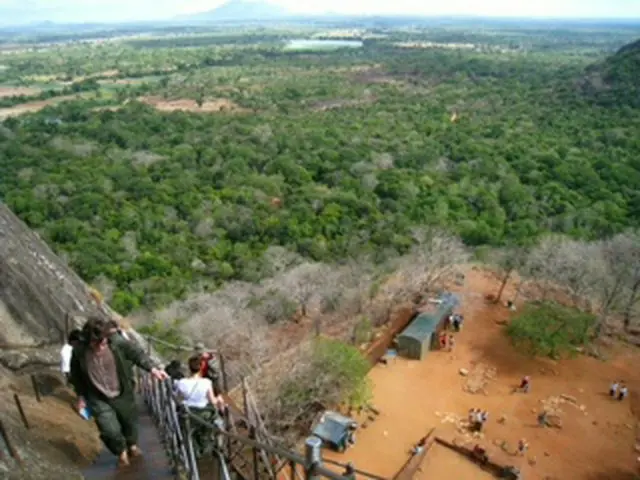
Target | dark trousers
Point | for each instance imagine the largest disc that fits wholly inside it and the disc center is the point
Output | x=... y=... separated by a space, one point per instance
x=201 y=435
x=117 y=421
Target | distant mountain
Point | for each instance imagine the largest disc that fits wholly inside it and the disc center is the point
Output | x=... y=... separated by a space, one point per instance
x=241 y=10
x=614 y=81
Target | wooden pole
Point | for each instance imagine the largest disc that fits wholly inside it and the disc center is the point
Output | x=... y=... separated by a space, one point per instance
x=12 y=450
x=36 y=389
x=254 y=450
x=21 y=411
x=245 y=400
x=225 y=381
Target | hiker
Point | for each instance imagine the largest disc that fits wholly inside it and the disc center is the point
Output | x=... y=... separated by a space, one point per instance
x=456 y=323
x=613 y=389
x=476 y=421
x=351 y=435
x=66 y=352
x=525 y=384
x=460 y=321
x=209 y=365
x=523 y=446
x=543 y=420
x=484 y=416
x=452 y=342
x=472 y=415
x=448 y=321
x=624 y=391
x=196 y=393
x=174 y=370
x=443 y=340
x=349 y=472
x=101 y=375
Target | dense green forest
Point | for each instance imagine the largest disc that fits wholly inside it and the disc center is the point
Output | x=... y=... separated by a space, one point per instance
x=330 y=153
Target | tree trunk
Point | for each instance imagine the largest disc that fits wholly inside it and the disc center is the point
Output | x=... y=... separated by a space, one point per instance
x=633 y=298
x=505 y=279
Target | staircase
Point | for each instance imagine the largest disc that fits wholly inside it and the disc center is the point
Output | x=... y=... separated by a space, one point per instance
x=165 y=439
x=153 y=465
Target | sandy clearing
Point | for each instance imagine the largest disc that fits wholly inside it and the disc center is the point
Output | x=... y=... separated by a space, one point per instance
x=13 y=91
x=209 y=106
x=413 y=396
x=32 y=106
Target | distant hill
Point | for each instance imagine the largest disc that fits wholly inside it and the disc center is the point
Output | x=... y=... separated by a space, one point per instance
x=615 y=81
x=241 y=10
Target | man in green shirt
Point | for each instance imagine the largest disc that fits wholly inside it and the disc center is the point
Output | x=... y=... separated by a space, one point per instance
x=102 y=377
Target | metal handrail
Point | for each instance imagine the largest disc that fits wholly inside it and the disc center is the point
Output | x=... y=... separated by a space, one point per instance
x=176 y=429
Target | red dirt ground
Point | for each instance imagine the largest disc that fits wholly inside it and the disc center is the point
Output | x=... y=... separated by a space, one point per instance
x=598 y=435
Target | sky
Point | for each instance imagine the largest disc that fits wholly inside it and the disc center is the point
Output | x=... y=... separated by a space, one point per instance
x=16 y=11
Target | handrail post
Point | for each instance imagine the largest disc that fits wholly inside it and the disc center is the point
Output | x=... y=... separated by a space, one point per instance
x=313 y=457
x=223 y=372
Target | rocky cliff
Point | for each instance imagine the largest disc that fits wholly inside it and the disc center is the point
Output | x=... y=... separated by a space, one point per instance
x=38 y=293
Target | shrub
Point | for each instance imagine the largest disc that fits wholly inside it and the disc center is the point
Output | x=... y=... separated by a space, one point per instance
x=550 y=329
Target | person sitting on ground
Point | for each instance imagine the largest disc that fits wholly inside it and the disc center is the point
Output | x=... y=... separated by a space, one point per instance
x=525 y=384
x=613 y=389
x=73 y=340
x=624 y=391
x=197 y=395
x=349 y=472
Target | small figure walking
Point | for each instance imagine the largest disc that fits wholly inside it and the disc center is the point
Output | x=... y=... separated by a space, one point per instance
x=613 y=389
x=523 y=446
x=452 y=342
x=484 y=416
x=525 y=384
x=622 y=394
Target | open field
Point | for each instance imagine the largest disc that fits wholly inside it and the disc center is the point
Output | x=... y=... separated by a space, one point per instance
x=14 y=91
x=597 y=436
x=31 y=107
x=208 y=106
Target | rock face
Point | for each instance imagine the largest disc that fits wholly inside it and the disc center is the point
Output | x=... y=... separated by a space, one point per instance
x=38 y=292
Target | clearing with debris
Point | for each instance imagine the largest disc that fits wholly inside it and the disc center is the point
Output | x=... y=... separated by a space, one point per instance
x=594 y=440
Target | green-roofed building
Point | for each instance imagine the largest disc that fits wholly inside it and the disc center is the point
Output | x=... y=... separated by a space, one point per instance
x=421 y=335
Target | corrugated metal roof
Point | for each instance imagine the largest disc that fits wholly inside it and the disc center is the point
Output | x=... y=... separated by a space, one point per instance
x=426 y=323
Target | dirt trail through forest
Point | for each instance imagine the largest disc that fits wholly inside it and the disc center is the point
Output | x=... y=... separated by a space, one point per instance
x=597 y=437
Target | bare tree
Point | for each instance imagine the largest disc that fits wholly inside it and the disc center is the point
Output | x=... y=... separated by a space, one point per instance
x=434 y=261
x=509 y=260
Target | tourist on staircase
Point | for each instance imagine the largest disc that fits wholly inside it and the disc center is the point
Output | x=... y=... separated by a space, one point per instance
x=197 y=394
x=66 y=352
x=101 y=375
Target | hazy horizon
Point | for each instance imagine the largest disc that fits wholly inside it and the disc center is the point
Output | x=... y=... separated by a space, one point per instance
x=75 y=11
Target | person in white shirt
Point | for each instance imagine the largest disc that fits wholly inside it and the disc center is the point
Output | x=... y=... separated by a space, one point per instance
x=197 y=394
x=67 y=352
